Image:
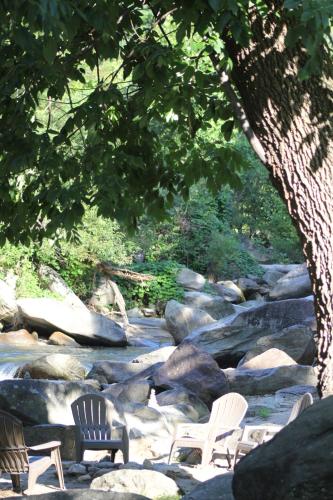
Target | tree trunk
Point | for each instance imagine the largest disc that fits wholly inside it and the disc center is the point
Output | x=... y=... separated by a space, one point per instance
x=291 y=119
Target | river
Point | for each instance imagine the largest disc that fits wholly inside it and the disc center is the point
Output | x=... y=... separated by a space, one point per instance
x=12 y=357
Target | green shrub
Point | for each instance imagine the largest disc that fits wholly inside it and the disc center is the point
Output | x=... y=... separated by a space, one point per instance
x=161 y=289
x=227 y=259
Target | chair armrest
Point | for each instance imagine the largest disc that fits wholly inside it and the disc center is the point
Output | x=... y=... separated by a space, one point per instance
x=45 y=446
x=190 y=429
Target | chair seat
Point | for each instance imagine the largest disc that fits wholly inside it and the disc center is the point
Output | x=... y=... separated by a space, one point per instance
x=103 y=444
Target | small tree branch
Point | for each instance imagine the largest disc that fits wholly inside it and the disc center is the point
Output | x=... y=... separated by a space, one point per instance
x=239 y=110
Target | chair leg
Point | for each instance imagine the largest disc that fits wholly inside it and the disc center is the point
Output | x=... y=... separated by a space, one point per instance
x=16 y=483
x=55 y=455
x=207 y=452
x=78 y=452
x=32 y=479
x=113 y=455
x=171 y=452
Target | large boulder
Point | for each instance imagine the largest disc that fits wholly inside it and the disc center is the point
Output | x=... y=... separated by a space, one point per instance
x=297 y=341
x=217 y=488
x=136 y=391
x=229 y=291
x=182 y=396
x=251 y=288
x=294 y=284
x=182 y=320
x=85 y=494
x=54 y=367
x=229 y=339
x=295 y=464
x=268 y=359
x=87 y=327
x=269 y=380
x=57 y=285
x=190 y=279
x=19 y=337
x=109 y=372
x=8 y=306
x=281 y=268
x=191 y=368
x=271 y=277
x=140 y=481
x=214 y=305
x=41 y=401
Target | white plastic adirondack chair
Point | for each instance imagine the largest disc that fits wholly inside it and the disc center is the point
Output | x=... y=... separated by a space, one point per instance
x=226 y=415
x=95 y=429
x=254 y=435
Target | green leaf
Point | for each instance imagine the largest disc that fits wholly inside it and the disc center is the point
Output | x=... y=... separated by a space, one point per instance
x=50 y=50
x=227 y=129
x=215 y=5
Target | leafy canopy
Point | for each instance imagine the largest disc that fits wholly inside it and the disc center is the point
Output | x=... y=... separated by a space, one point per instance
x=109 y=103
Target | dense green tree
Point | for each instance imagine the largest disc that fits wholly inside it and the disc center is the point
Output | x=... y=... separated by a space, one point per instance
x=176 y=67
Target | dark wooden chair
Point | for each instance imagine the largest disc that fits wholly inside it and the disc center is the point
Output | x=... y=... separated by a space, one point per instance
x=95 y=429
x=14 y=454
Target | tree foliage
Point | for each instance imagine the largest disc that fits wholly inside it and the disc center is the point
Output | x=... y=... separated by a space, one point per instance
x=129 y=143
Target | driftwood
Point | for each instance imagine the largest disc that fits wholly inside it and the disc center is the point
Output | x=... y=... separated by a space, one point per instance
x=108 y=269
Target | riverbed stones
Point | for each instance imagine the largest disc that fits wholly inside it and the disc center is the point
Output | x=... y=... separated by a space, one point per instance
x=191 y=368
x=54 y=367
x=148 y=332
x=83 y=325
x=19 y=337
x=295 y=464
x=190 y=280
x=109 y=372
x=59 y=338
x=180 y=395
x=182 y=320
x=86 y=494
x=229 y=339
x=214 y=305
x=57 y=285
x=41 y=401
x=137 y=391
x=269 y=380
x=143 y=482
x=218 y=487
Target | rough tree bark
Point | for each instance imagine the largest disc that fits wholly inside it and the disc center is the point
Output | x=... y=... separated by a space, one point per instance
x=292 y=120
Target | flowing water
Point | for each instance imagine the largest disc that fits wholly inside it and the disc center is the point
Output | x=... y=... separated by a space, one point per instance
x=12 y=357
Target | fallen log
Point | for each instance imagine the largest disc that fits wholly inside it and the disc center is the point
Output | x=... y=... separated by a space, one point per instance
x=108 y=269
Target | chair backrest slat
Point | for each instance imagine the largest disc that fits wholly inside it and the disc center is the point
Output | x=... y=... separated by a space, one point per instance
x=301 y=404
x=227 y=411
x=13 y=452
x=91 y=415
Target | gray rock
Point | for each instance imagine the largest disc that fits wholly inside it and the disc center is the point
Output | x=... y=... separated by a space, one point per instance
x=109 y=372
x=229 y=291
x=76 y=470
x=84 y=494
x=190 y=279
x=41 y=401
x=217 y=488
x=268 y=359
x=251 y=288
x=8 y=306
x=176 y=396
x=54 y=367
x=130 y=391
x=281 y=268
x=190 y=368
x=214 y=305
x=59 y=338
x=295 y=464
x=18 y=337
x=87 y=327
x=229 y=339
x=271 y=276
x=182 y=320
x=160 y=355
x=103 y=294
x=269 y=380
x=143 y=482
x=293 y=286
